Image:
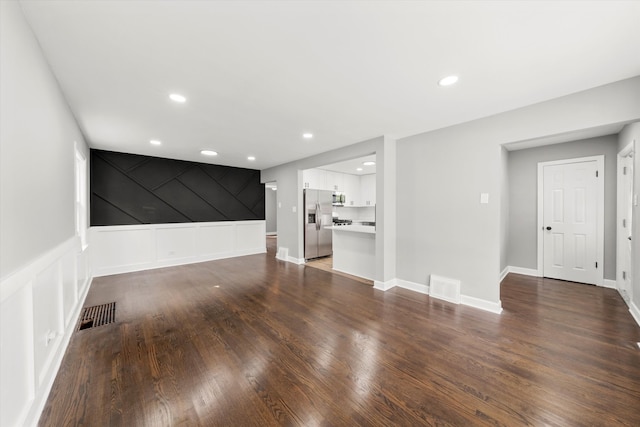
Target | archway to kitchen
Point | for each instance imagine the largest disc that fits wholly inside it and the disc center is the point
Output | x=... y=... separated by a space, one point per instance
x=339 y=202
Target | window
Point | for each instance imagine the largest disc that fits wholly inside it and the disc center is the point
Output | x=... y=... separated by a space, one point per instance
x=81 y=196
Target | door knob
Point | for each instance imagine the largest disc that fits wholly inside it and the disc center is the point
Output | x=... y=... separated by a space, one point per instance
x=548 y=228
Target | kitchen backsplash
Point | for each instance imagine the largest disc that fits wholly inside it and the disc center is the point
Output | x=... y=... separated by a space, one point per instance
x=364 y=213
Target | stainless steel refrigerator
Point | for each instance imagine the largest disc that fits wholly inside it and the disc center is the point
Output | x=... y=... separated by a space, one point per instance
x=317 y=216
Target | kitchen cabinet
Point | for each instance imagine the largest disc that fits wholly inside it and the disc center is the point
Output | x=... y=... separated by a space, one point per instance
x=314 y=178
x=335 y=181
x=368 y=190
x=359 y=190
x=351 y=184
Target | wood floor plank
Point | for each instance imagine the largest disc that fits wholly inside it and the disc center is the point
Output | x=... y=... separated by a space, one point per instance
x=253 y=341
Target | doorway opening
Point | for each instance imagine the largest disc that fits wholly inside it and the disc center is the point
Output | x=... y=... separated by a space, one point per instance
x=271 y=215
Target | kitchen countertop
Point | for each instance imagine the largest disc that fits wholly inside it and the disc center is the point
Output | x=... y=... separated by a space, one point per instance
x=354 y=228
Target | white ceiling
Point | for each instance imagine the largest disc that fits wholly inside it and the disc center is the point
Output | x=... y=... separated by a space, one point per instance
x=351 y=166
x=257 y=74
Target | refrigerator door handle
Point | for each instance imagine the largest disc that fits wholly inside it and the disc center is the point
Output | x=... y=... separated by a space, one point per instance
x=318 y=216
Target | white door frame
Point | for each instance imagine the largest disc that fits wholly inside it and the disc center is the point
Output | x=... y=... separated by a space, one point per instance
x=620 y=239
x=599 y=214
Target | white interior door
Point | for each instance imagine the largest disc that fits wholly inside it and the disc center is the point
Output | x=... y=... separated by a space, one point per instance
x=624 y=228
x=570 y=222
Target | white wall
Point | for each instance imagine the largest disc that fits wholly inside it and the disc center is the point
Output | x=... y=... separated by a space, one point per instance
x=37 y=135
x=630 y=133
x=44 y=271
x=442 y=227
x=522 y=246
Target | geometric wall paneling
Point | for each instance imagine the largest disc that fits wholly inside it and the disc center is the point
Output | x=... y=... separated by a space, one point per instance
x=128 y=189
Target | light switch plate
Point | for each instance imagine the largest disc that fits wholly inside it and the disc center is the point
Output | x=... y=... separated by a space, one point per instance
x=484 y=198
x=279 y=204
x=294 y=209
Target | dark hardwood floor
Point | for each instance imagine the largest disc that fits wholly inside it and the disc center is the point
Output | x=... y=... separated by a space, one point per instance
x=253 y=341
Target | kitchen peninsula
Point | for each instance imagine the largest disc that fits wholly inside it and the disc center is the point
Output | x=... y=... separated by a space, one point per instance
x=354 y=250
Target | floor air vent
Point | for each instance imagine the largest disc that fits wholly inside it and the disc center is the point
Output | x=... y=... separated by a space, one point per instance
x=283 y=254
x=444 y=288
x=97 y=315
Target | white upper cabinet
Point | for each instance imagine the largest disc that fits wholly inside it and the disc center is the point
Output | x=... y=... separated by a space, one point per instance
x=336 y=181
x=358 y=190
x=314 y=178
x=351 y=189
x=368 y=190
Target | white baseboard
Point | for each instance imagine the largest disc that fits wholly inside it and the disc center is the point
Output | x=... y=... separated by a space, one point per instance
x=608 y=283
x=283 y=255
x=504 y=273
x=297 y=261
x=493 y=307
x=272 y=233
x=385 y=286
x=635 y=312
x=525 y=271
x=412 y=286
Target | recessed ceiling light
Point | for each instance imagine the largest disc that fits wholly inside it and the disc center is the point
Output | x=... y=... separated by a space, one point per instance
x=208 y=153
x=177 y=97
x=251 y=158
x=448 y=81
x=358 y=169
x=155 y=142
x=307 y=135
x=274 y=188
x=369 y=163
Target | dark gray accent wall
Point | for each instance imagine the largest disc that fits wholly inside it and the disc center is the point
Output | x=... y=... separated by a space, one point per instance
x=133 y=189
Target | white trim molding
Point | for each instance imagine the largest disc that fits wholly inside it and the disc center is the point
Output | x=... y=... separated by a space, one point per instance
x=504 y=273
x=412 y=286
x=128 y=248
x=385 y=286
x=608 y=283
x=297 y=261
x=482 y=304
x=524 y=271
x=39 y=308
x=635 y=312
x=493 y=307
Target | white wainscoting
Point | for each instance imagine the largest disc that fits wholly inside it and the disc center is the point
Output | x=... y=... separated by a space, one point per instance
x=127 y=248
x=39 y=306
